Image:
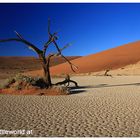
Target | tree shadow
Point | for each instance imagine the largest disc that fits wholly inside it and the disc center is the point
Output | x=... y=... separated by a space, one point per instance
x=84 y=87
x=80 y=89
x=76 y=91
x=119 y=85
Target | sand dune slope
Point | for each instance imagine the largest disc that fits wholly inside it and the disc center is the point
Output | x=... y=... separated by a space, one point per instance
x=103 y=107
x=109 y=59
x=132 y=69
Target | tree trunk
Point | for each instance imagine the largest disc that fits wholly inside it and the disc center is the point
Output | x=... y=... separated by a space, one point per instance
x=46 y=71
x=46 y=75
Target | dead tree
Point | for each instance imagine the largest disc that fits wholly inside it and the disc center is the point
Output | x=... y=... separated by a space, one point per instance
x=45 y=61
x=67 y=81
x=106 y=73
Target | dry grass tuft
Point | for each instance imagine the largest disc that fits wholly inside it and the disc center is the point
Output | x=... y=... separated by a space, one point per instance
x=25 y=85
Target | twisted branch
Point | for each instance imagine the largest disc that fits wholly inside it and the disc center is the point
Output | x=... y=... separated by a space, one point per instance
x=30 y=45
x=67 y=81
x=59 y=50
x=52 y=39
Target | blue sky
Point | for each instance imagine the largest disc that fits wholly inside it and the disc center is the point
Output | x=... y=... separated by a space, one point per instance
x=90 y=28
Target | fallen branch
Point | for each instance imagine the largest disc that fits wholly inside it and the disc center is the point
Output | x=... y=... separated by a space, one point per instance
x=67 y=81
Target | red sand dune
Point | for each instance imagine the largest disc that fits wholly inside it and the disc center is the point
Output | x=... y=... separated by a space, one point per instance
x=109 y=59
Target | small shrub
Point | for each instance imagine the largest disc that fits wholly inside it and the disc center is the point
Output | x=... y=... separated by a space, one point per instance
x=39 y=82
x=23 y=82
x=18 y=87
x=7 y=82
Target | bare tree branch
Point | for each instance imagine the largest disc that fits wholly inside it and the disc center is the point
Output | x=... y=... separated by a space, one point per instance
x=25 y=42
x=58 y=53
x=46 y=46
x=45 y=62
x=59 y=50
x=31 y=46
x=49 y=28
x=67 y=81
x=66 y=46
x=51 y=39
x=18 y=35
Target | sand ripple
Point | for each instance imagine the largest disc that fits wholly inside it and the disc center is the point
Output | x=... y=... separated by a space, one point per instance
x=105 y=111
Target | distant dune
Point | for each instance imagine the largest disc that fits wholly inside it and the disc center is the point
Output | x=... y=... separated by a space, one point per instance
x=10 y=66
x=132 y=69
x=110 y=59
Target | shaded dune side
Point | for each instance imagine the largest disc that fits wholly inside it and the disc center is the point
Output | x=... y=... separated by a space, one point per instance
x=110 y=59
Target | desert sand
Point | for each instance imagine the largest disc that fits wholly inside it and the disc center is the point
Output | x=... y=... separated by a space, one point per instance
x=101 y=106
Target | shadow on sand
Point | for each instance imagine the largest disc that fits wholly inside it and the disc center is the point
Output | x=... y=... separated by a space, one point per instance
x=76 y=91
x=80 y=89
